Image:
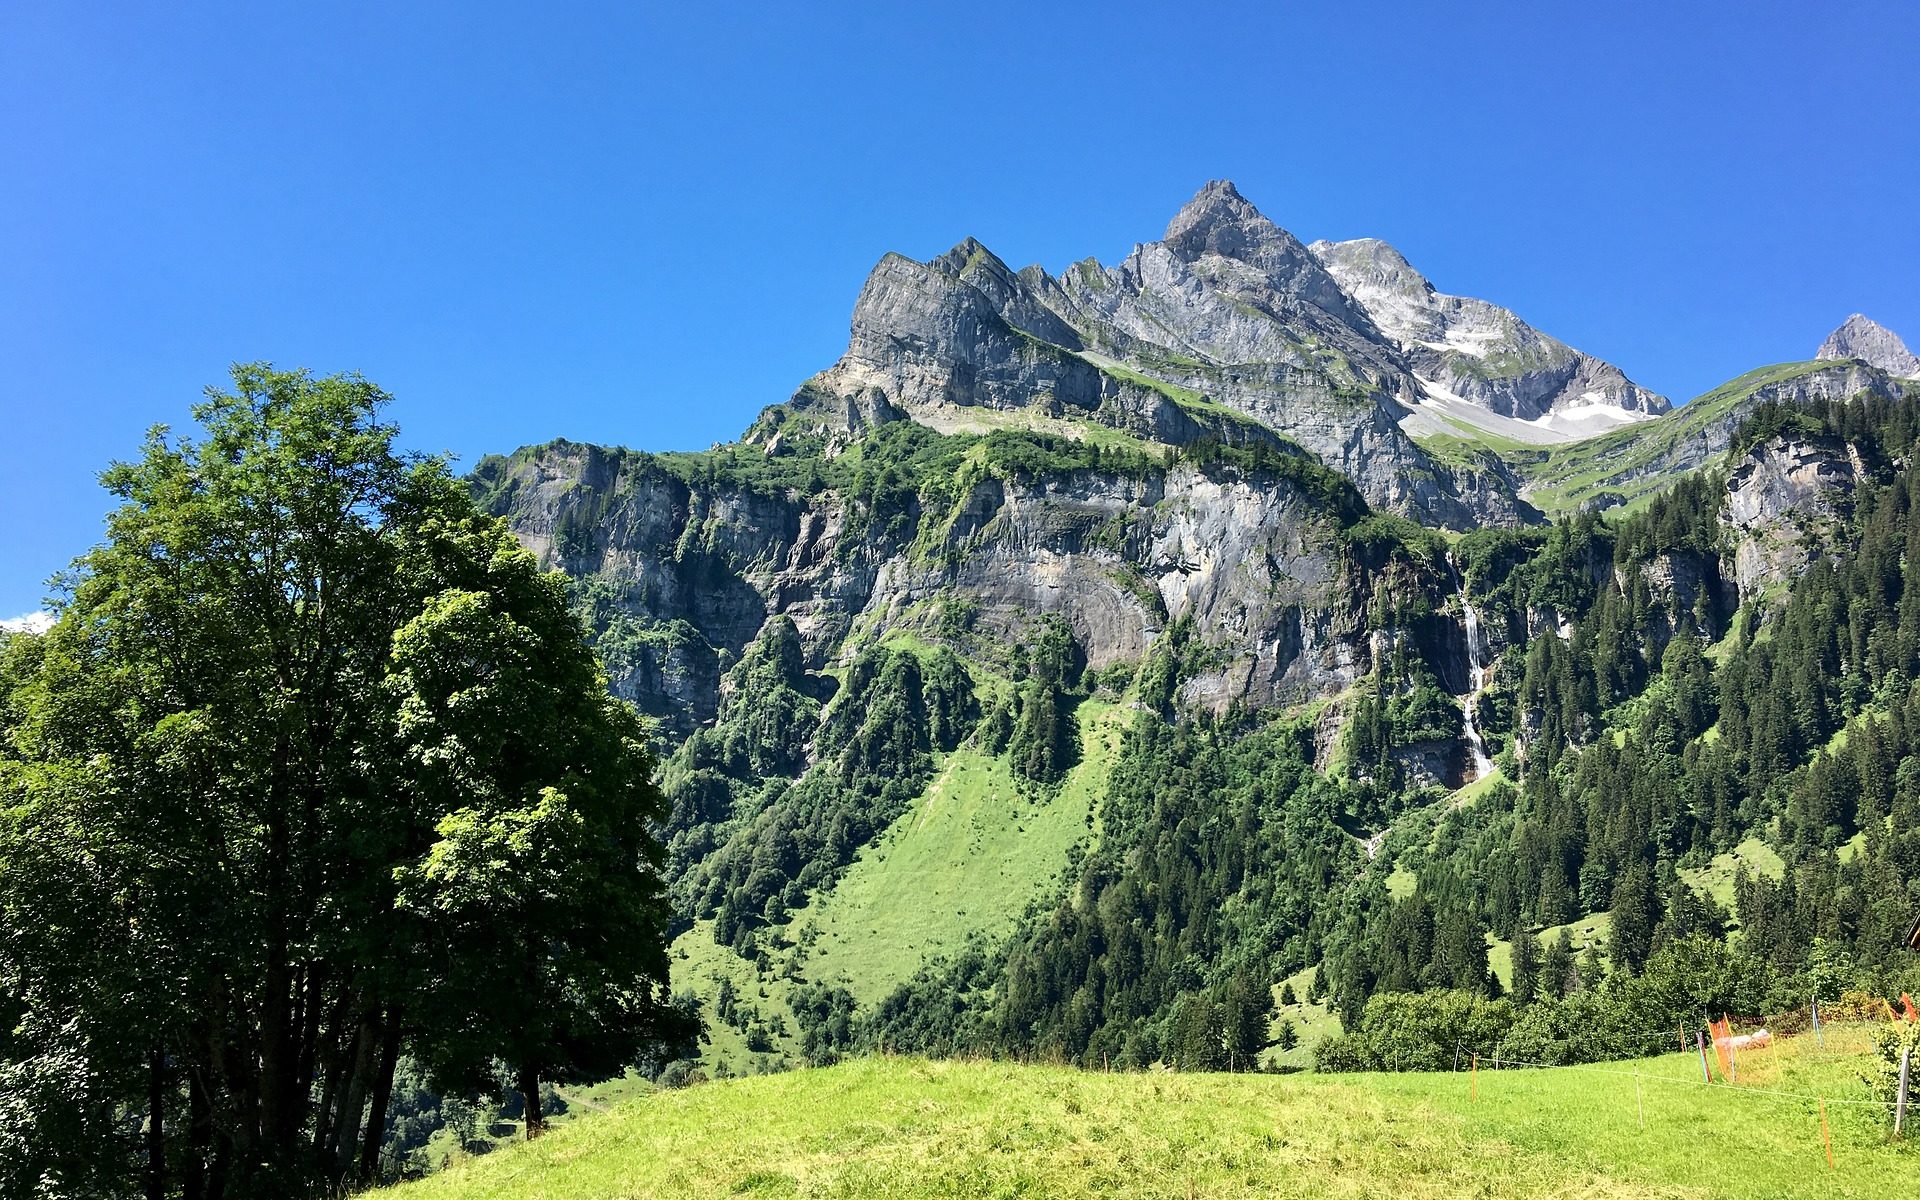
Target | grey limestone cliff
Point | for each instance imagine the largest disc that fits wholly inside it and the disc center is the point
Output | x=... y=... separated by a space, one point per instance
x=1786 y=498
x=692 y=568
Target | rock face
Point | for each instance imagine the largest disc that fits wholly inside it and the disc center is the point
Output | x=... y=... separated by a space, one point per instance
x=1785 y=499
x=1479 y=351
x=1208 y=368
x=1871 y=343
x=1255 y=562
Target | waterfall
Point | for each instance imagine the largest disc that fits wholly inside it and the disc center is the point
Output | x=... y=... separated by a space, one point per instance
x=1476 y=678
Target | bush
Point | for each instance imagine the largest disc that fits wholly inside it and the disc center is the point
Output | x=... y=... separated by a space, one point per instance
x=1417 y=1031
x=1342 y=1052
x=1893 y=1039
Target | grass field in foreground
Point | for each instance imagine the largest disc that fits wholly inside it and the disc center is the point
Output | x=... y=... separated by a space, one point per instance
x=910 y=1128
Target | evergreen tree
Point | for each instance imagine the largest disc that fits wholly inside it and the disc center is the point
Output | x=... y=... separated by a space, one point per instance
x=1244 y=1012
x=1634 y=914
x=1527 y=966
x=1557 y=969
x=1286 y=1035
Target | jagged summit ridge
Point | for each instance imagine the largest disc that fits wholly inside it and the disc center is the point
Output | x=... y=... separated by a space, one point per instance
x=1872 y=343
x=1226 y=328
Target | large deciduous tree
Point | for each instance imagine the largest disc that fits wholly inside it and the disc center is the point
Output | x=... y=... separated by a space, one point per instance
x=314 y=769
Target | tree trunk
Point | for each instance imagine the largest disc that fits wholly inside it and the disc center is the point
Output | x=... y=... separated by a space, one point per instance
x=156 y=1126
x=530 y=1092
x=346 y=1126
x=276 y=992
x=338 y=1061
x=199 y=1136
x=312 y=995
x=382 y=1096
x=217 y=1177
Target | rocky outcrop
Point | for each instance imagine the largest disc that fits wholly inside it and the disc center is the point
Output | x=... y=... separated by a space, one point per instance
x=1477 y=350
x=698 y=566
x=1684 y=588
x=1785 y=499
x=1872 y=343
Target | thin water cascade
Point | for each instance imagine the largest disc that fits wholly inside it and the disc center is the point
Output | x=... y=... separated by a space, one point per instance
x=1476 y=679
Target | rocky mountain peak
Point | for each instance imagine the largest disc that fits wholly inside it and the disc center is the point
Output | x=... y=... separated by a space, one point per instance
x=1219 y=220
x=1222 y=237
x=1872 y=343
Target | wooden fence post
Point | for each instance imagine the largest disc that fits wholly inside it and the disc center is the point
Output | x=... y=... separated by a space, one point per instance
x=1826 y=1135
x=1900 y=1097
x=1639 y=1099
x=1700 y=1044
x=1473 y=1079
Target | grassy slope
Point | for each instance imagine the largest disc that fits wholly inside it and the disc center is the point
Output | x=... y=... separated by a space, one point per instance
x=1594 y=927
x=967 y=858
x=1313 y=1022
x=1716 y=878
x=908 y=1128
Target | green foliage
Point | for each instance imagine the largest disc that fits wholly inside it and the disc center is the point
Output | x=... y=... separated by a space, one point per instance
x=1218 y=842
x=1892 y=1042
x=1329 y=490
x=1417 y=1031
x=874 y=748
x=1042 y=742
x=313 y=771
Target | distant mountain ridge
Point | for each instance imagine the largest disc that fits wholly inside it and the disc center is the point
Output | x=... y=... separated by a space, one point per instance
x=1467 y=349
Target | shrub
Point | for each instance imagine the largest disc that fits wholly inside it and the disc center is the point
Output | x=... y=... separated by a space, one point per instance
x=1417 y=1031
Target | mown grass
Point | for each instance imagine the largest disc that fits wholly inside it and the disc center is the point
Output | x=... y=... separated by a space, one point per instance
x=911 y=1128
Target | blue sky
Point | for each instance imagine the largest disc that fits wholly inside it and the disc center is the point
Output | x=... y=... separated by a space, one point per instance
x=641 y=224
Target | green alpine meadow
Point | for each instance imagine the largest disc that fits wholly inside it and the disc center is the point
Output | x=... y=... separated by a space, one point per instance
x=1209 y=713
